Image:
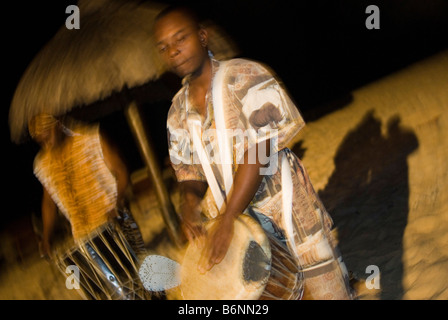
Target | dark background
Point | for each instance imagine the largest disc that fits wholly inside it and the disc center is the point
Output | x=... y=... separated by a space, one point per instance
x=320 y=49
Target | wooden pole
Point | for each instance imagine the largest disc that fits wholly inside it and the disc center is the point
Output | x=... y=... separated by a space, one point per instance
x=169 y=215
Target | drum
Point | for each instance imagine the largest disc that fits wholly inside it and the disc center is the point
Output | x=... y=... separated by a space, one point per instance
x=108 y=267
x=256 y=266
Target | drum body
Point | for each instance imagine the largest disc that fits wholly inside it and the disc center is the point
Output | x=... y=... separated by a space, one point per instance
x=108 y=267
x=256 y=266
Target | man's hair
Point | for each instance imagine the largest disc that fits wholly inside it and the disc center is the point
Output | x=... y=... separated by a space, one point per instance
x=185 y=10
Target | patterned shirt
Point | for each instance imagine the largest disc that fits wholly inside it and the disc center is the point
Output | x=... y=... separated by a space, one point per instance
x=254 y=107
x=79 y=181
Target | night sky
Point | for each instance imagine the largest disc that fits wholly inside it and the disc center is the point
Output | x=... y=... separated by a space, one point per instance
x=321 y=50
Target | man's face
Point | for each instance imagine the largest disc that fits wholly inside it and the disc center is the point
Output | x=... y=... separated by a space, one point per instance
x=181 y=43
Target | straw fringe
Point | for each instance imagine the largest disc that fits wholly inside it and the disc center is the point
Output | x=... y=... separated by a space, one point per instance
x=113 y=48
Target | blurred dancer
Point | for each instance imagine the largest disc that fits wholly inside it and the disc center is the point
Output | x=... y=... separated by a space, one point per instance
x=84 y=177
x=242 y=96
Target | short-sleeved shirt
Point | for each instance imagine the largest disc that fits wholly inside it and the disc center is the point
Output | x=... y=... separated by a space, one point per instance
x=256 y=107
x=79 y=181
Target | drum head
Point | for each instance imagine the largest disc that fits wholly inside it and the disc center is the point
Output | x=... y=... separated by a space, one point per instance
x=242 y=274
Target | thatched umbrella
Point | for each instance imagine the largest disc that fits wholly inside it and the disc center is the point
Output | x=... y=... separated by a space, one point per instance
x=112 y=50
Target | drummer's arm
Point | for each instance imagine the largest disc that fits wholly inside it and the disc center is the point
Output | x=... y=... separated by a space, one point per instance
x=116 y=166
x=192 y=193
x=49 y=213
x=247 y=180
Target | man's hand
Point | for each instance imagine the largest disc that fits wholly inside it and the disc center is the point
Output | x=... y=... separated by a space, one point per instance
x=217 y=243
x=247 y=180
x=192 y=193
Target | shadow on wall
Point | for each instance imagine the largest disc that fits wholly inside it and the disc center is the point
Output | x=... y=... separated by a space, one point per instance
x=368 y=195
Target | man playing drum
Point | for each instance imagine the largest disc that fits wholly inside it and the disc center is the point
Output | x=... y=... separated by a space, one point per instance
x=84 y=177
x=235 y=108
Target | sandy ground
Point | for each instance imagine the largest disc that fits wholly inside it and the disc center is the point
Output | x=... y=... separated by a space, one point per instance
x=379 y=165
